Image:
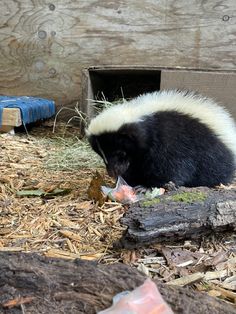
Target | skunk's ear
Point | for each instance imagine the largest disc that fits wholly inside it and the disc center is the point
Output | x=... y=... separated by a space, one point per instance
x=135 y=133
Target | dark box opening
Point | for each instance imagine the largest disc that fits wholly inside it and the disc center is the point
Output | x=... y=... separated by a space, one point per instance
x=114 y=84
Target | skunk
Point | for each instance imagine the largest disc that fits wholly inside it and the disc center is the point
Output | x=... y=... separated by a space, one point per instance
x=167 y=136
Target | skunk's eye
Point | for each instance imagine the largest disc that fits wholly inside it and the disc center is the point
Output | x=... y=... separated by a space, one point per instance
x=121 y=154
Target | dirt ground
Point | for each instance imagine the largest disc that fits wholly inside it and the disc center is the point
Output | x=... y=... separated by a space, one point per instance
x=47 y=210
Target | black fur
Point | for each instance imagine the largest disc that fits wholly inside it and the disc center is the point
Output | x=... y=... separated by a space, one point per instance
x=166 y=146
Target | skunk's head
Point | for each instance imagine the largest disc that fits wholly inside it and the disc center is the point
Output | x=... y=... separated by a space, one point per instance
x=118 y=149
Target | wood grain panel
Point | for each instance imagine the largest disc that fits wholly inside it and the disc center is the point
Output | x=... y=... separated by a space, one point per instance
x=45 y=45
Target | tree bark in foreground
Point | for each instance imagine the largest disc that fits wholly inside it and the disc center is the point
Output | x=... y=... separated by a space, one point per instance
x=187 y=213
x=30 y=283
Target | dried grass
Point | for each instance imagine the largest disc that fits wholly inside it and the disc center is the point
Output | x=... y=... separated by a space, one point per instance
x=73 y=154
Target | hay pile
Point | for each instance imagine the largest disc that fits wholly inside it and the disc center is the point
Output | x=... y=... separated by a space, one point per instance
x=59 y=220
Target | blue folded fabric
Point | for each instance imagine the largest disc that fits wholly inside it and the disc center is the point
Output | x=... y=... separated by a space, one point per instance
x=32 y=108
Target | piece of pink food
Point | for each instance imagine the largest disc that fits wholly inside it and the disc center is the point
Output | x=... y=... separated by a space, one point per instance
x=145 y=299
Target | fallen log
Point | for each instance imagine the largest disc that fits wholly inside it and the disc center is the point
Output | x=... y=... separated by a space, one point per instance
x=187 y=213
x=30 y=283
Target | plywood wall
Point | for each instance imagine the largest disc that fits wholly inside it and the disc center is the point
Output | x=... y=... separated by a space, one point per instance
x=44 y=44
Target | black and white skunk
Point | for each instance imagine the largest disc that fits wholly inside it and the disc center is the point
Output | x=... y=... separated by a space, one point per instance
x=166 y=136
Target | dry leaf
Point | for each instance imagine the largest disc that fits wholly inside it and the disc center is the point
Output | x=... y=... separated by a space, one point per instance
x=94 y=190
